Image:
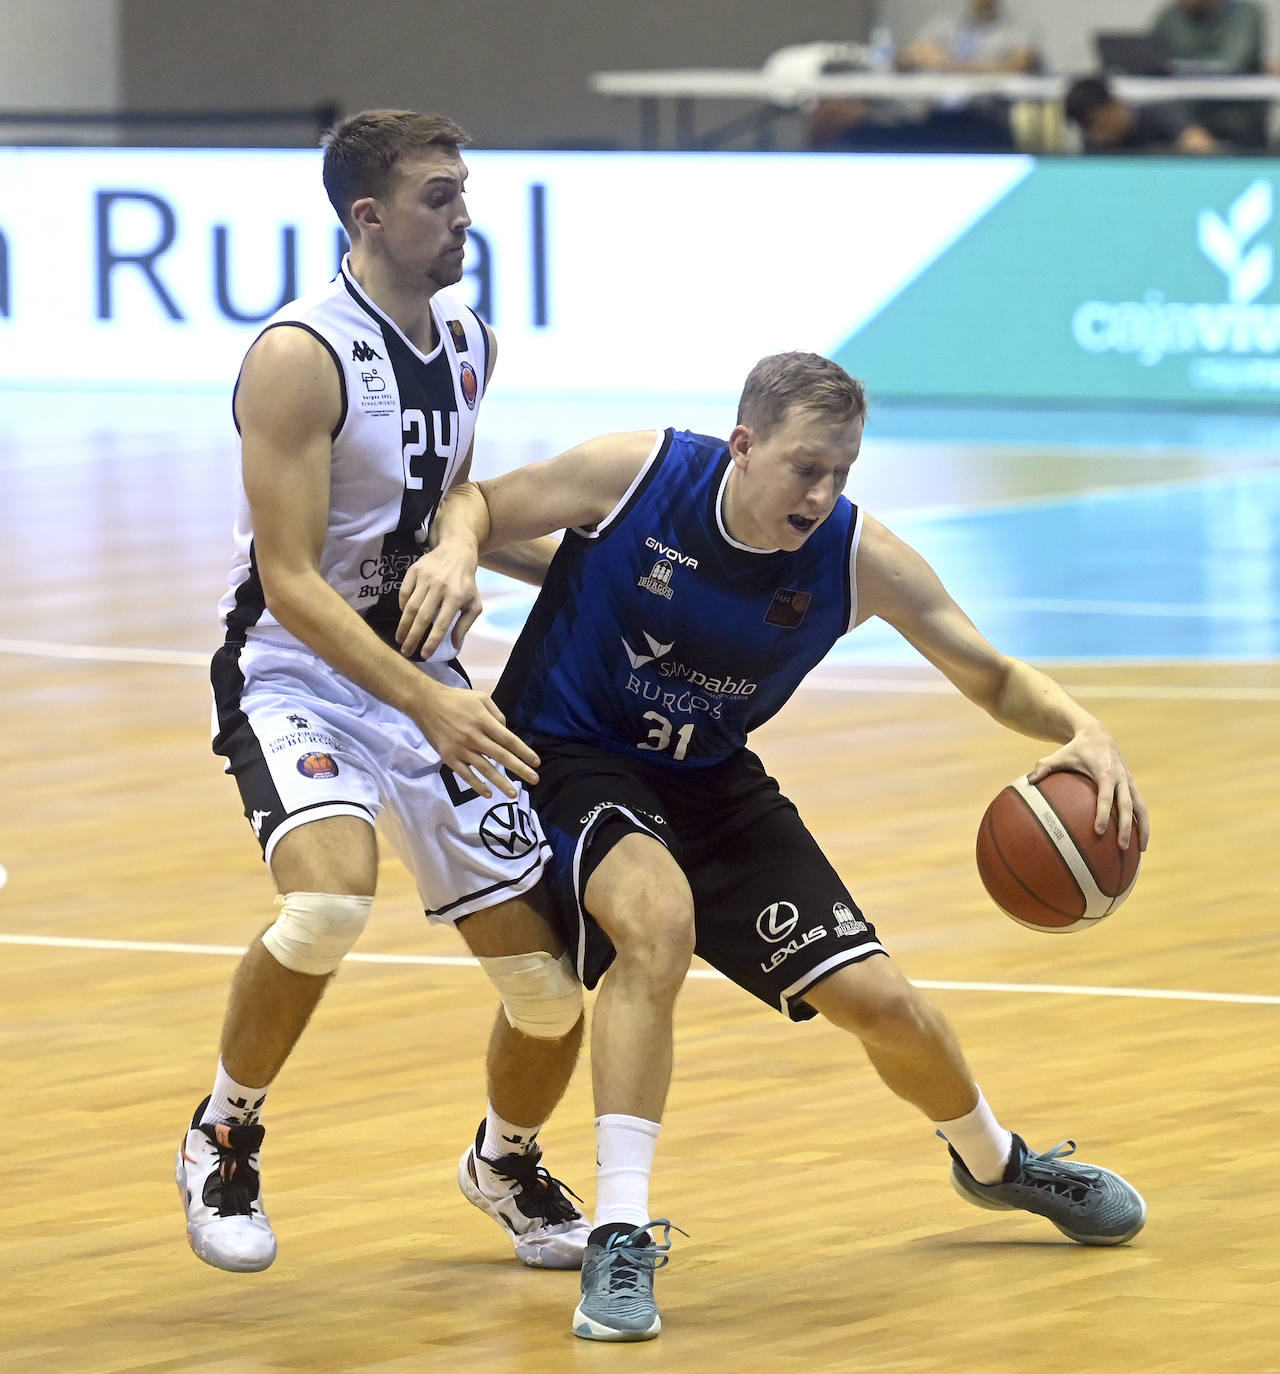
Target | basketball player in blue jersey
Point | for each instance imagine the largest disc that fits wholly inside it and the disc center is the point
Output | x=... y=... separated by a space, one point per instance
x=356 y=409
x=698 y=582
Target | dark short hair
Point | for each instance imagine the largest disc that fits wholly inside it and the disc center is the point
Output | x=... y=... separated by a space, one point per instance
x=1085 y=98
x=783 y=380
x=362 y=152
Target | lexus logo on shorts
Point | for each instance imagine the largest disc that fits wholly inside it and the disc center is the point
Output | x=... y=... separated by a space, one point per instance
x=776 y=922
x=507 y=831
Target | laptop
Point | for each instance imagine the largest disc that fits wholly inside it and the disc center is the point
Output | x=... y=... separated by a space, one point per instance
x=1132 y=54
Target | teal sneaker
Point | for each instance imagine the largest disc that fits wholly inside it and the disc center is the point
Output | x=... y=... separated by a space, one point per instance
x=617 y=1302
x=1086 y=1203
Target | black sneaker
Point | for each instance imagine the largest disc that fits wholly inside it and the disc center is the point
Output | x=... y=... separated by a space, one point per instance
x=547 y=1230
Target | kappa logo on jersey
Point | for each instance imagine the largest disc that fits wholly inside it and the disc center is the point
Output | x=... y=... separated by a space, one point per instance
x=256 y=821
x=318 y=766
x=299 y=722
x=470 y=386
x=507 y=831
x=659 y=580
x=777 y=921
x=363 y=352
x=846 y=922
x=656 y=651
x=789 y=608
x=459 y=335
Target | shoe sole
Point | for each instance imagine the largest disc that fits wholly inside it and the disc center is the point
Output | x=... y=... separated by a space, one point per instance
x=591 y=1330
x=991 y=1205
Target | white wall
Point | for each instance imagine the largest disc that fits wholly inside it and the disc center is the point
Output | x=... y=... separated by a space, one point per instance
x=1065 y=30
x=58 y=54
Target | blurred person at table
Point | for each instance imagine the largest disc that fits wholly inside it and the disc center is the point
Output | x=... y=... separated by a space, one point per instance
x=976 y=39
x=1218 y=38
x=1108 y=124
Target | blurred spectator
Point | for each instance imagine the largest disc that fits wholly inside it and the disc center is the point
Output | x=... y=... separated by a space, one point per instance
x=1109 y=125
x=1218 y=38
x=976 y=37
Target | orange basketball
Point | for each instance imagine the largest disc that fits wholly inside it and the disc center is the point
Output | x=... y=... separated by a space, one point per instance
x=1042 y=863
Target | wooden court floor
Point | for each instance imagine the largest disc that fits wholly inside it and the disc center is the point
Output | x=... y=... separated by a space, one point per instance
x=823 y=1234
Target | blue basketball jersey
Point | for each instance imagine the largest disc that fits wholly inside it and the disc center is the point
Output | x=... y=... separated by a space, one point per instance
x=657 y=634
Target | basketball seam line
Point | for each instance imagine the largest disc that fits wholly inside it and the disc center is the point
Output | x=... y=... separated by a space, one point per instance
x=1009 y=868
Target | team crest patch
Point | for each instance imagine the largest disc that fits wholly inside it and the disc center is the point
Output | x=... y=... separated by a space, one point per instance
x=789 y=608
x=459 y=336
x=658 y=580
x=470 y=387
x=318 y=766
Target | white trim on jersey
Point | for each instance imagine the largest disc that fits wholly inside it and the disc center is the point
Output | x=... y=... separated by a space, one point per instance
x=854 y=542
x=594 y=532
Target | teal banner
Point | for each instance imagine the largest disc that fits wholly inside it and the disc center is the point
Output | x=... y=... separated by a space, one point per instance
x=1096 y=280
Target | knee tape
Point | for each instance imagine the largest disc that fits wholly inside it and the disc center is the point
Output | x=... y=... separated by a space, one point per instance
x=315 y=930
x=541 y=996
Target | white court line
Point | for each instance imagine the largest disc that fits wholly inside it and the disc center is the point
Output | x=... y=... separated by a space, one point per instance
x=460 y=960
x=104 y=653
x=824 y=679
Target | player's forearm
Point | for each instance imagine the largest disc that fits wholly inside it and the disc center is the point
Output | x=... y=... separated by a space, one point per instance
x=1033 y=704
x=527 y=561
x=314 y=613
x=461 y=520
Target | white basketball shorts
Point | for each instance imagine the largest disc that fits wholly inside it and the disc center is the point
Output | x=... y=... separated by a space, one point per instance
x=304 y=743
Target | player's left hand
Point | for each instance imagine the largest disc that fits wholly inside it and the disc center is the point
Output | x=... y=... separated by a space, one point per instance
x=1094 y=752
x=439 y=589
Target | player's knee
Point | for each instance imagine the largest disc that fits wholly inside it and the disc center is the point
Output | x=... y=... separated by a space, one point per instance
x=885 y=1008
x=657 y=933
x=541 y=995
x=315 y=931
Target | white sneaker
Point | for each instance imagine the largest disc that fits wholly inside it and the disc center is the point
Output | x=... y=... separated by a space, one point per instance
x=217 y=1173
x=548 y=1232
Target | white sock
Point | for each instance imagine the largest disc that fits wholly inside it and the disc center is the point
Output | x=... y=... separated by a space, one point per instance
x=232 y=1101
x=502 y=1137
x=980 y=1140
x=624 y=1160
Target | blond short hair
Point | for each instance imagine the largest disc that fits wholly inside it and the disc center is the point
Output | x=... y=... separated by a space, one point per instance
x=785 y=380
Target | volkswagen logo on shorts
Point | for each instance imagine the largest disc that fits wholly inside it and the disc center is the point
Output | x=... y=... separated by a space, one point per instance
x=507 y=831
x=777 y=921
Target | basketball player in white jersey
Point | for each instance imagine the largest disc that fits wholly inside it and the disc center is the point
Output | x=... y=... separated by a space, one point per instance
x=356 y=409
x=698 y=582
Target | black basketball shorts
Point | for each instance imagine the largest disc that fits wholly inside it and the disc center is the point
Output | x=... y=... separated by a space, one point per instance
x=770 y=911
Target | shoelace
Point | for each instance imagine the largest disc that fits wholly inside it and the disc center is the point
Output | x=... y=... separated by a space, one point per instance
x=1039 y=1171
x=237 y=1184
x=537 y=1193
x=626 y=1257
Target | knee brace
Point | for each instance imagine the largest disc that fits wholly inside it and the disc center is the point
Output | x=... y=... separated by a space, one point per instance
x=541 y=996
x=315 y=930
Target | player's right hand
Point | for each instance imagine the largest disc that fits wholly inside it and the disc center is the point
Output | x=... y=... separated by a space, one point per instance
x=470 y=734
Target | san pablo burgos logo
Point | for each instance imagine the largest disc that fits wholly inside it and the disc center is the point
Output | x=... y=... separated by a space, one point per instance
x=1247 y=331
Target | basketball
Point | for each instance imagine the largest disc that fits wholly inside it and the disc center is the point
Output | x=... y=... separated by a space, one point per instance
x=1042 y=863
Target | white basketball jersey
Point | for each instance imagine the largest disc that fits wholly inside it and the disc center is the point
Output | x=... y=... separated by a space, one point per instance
x=406 y=426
